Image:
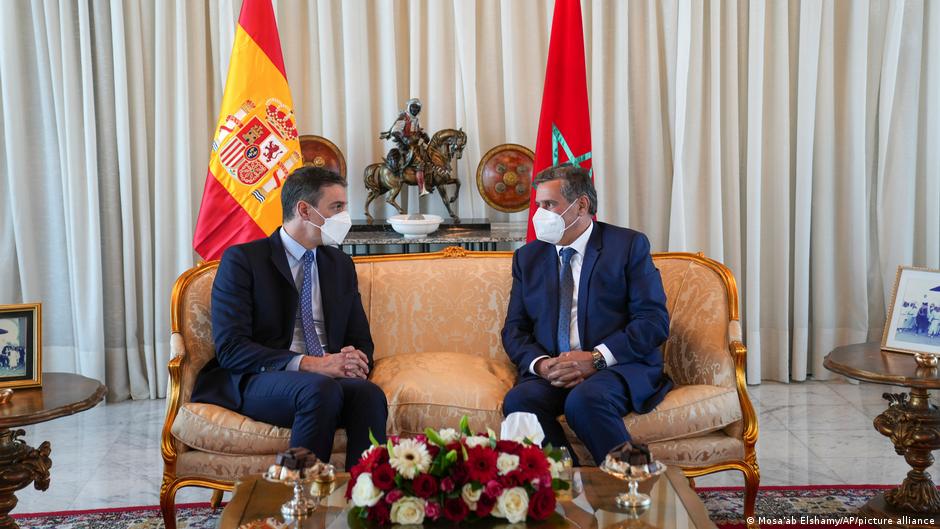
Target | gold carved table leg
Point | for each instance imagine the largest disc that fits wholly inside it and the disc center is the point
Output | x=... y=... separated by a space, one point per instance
x=913 y=425
x=20 y=465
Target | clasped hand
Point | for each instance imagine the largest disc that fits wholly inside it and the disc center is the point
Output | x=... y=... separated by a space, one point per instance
x=349 y=362
x=568 y=369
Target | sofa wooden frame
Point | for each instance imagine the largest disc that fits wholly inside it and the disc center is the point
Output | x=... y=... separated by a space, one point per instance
x=747 y=465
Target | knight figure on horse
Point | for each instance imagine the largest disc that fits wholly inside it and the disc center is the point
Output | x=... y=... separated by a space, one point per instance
x=410 y=144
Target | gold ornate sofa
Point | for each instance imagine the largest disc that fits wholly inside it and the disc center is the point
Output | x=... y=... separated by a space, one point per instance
x=436 y=321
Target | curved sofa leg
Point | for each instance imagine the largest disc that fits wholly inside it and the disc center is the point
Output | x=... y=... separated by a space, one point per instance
x=751 y=485
x=216 y=499
x=168 y=503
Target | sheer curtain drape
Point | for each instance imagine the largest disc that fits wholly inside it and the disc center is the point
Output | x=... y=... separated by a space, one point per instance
x=798 y=142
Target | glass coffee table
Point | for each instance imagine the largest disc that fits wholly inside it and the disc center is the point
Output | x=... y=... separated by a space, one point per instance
x=675 y=506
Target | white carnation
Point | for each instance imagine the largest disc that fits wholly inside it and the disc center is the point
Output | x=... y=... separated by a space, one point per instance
x=408 y=511
x=477 y=440
x=409 y=458
x=365 y=493
x=506 y=463
x=513 y=504
x=449 y=435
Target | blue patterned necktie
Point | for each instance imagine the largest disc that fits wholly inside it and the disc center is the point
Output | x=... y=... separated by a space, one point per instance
x=306 y=308
x=565 y=293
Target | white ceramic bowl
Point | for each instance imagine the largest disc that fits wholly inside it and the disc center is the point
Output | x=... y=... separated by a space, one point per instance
x=413 y=229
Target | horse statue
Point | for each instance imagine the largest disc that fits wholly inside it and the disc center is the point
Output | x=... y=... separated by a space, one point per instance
x=445 y=146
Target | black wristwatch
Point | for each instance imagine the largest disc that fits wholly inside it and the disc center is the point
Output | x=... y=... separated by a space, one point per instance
x=599 y=362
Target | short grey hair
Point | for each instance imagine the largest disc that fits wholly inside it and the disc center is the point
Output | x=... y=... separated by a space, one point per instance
x=576 y=182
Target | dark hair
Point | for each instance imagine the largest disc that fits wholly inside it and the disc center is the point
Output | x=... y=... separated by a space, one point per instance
x=306 y=184
x=576 y=183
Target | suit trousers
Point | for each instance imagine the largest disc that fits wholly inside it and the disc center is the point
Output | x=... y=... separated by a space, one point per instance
x=314 y=406
x=594 y=410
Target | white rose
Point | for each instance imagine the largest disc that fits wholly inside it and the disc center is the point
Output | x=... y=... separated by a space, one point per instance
x=408 y=511
x=513 y=504
x=471 y=497
x=449 y=435
x=506 y=463
x=477 y=440
x=364 y=493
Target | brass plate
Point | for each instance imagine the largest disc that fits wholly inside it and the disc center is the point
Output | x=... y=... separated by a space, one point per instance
x=504 y=177
x=321 y=152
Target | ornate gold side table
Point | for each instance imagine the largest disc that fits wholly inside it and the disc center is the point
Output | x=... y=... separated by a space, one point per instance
x=912 y=423
x=61 y=394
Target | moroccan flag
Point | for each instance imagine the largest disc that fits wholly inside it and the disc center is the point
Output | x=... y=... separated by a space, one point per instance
x=255 y=145
x=565 y=124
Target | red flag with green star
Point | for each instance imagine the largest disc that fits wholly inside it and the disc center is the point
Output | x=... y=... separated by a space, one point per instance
x=565 y=123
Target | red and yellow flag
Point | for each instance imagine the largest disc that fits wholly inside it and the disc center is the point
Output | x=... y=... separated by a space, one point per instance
x=255 y=145
x=564 y=132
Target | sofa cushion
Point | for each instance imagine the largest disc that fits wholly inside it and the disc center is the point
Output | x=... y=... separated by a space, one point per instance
x=687 y=411
x=212 y=428
x=436 y=389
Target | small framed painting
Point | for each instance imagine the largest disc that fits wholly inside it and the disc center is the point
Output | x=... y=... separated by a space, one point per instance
x=913 y=324
x=21 y=345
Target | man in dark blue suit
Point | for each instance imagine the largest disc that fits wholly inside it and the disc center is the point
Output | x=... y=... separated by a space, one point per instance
x=586 y=317
x=293 y=346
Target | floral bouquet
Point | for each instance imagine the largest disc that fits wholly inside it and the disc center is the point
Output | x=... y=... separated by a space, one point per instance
x=455 y=476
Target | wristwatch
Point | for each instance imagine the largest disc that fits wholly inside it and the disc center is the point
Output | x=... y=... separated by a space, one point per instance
x=599 y=362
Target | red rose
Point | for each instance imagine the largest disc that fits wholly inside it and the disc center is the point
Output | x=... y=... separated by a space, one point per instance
x=481 y=464
x=510 y=447
x=542 y=504
x=486 y=504
x=432 y=510
x=383 y=477
x=532 y=462
x=393 y=496
x=379 y=513
x=493 y=489
x=424 y=485
x=374 y=456
x=459 y=473
x=447 y=484
x=455 y=510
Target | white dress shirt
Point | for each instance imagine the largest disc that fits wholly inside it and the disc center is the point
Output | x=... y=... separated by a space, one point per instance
x=295 y=254
x=579 y=245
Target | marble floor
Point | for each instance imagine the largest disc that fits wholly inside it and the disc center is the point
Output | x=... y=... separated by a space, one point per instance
x=811 y=433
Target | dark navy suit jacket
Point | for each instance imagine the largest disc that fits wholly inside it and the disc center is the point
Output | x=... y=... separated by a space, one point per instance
x=621 y=304
x=254 y=309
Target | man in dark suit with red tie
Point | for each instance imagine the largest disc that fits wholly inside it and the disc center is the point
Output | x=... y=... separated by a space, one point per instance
x=293 y=346
x=586 y=318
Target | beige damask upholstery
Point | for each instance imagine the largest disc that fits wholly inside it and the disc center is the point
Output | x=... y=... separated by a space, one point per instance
x=435 y=321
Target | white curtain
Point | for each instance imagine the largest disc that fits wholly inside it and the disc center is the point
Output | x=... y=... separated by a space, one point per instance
x=797 y=142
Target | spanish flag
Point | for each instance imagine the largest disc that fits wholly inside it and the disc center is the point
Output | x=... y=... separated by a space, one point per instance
x=564 y=133
x=255 y=145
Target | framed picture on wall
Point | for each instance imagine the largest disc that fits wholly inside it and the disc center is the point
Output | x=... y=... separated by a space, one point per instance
x=913 y=324
x=21 y=345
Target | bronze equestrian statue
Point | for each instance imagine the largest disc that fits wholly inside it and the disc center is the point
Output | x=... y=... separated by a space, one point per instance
x=435 y=161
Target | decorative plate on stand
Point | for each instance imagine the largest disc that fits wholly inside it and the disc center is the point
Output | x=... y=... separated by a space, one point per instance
x=321 y=152
x=504 y=177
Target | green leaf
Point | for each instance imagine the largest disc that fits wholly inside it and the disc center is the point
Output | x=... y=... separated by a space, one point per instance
x=465 y=455
x=372 y=438
x=491 y=433
x=433 y=437
x=465 y=425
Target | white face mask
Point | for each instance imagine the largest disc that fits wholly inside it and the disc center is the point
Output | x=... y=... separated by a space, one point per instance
x=550 y=226
x=335 y=228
